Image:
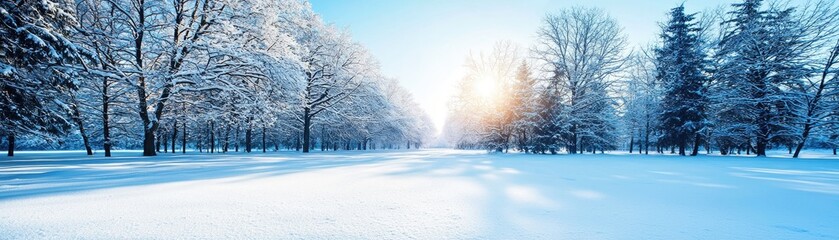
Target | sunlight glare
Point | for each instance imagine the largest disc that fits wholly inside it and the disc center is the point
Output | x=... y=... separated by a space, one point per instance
x=485 y=88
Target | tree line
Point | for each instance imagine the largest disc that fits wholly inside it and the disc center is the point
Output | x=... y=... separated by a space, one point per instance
x=747 y=77
x=208 y=75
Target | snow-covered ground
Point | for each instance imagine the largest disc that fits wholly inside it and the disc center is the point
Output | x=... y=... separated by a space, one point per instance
x=425 y=194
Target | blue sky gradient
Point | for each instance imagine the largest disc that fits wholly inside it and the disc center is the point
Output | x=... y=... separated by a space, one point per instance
x=424 y=43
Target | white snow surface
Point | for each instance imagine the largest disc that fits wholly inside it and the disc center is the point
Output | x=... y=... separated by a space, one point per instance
x=421 y=194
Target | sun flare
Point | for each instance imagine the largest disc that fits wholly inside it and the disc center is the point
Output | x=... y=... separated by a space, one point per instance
x=486 y=88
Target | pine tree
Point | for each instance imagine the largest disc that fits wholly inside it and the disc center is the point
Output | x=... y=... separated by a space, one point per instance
x=680 y=69
x=759 y=62
x=32 y=42
x=547 y=121
x=523 y=105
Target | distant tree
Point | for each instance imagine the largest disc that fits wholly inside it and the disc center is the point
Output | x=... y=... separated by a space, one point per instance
x=334 y=69
x=643 y=102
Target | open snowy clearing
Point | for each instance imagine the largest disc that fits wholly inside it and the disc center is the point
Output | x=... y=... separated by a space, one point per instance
x=425 y=194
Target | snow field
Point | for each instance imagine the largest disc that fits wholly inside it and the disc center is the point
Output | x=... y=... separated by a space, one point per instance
x=426 y=194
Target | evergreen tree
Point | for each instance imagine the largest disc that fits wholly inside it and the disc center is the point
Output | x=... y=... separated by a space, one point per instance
x=760 y=61
x=601 y=133
x=523 y=103
x=32 y=42
x=680 y=69
x=546 y=131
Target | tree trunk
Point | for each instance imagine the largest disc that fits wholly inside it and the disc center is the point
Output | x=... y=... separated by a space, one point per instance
x=307 y=123
x=572 y=147
x=226 y=138
x=86 y=140
x=647 y=139
x=106 y=126
x=631 y=142
x=77 y=117
x=763 y=134
x=801 y=144
x=760 y=149
x=11 y=151
x=174 y=134
x=149 y=127
x=581 y=148
x=148 y=143
x=263 y=139
x=297 y=143
x=165 y=142
x=708 y=142
x=157 y=142
x=696 y=142
x=212 y=137
x=322 y=137
x=183 y=139
x=248 y=133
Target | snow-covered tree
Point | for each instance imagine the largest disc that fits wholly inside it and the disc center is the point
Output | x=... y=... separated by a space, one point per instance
x=334 y=69
x=547 y=120
x=584 y=50
x=642 y=100
x=523 y=104
x=32 y=43
x=208 y=74
x=762 y=59
x=681 y=69
x=485 y=106
x=820 y=111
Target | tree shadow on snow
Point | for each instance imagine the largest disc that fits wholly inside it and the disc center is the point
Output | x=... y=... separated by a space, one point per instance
x=36 y=174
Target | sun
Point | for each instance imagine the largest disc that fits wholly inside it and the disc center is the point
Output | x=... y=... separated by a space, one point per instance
x=486 y=88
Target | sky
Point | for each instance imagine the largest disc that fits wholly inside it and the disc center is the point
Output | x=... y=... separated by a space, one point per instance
x=424 y=43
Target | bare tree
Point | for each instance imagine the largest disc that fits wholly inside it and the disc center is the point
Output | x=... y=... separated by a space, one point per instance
x=333 y=68
x=817 y=112
x=584 y=49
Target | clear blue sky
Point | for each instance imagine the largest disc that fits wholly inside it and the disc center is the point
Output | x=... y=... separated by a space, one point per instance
x=424 y=43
